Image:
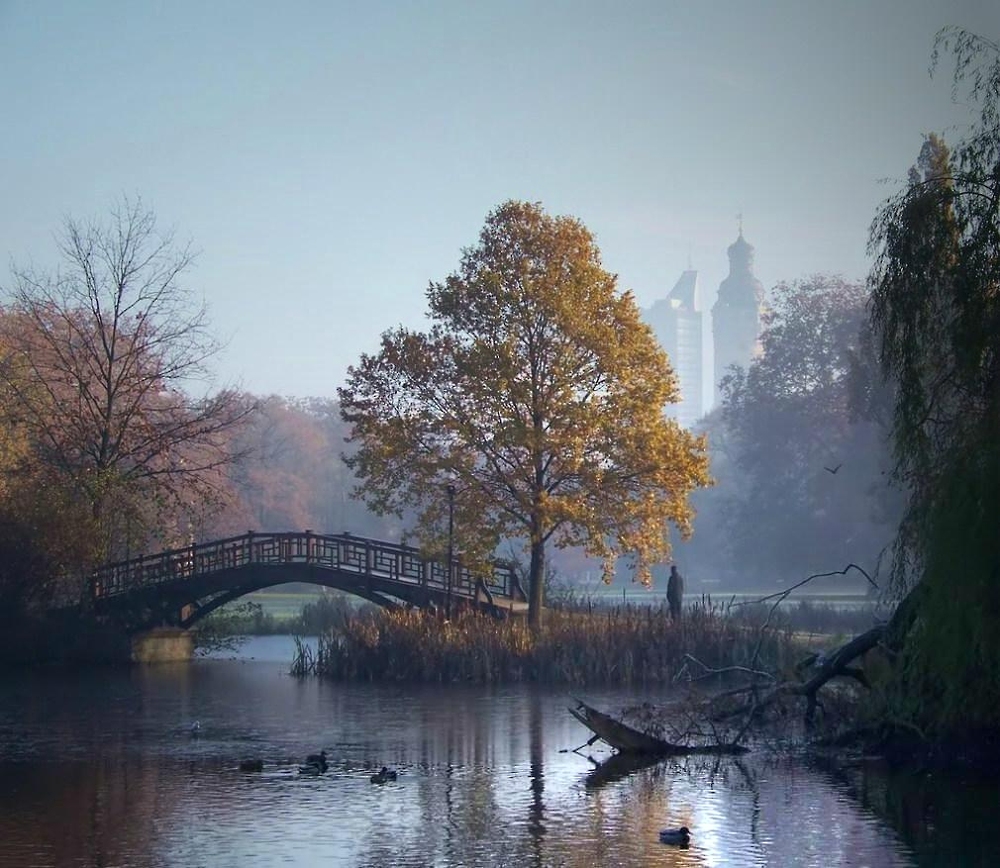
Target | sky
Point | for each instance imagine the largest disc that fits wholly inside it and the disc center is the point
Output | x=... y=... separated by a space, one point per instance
x=328 y=159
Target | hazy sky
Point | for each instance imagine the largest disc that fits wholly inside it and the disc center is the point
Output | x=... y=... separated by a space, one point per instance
x=329 y=159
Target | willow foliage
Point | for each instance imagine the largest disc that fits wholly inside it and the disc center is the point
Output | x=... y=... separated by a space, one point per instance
x=538 y=393
x=936 y=313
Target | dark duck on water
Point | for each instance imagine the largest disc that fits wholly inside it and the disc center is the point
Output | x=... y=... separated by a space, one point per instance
x=681 y=836
x=315 y=764
x=383 y=776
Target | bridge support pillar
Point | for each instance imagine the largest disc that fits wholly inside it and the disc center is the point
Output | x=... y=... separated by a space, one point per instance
x=162 y=645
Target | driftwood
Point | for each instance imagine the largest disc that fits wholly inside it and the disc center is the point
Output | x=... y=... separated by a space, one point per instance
x=627 y=740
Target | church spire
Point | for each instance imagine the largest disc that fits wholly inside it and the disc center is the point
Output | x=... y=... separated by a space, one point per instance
x=736 y=315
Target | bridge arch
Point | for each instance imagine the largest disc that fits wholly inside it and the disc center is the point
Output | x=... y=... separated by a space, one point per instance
x=193 y=611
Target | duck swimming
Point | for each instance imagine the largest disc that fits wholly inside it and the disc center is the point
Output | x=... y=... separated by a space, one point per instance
x=315 y=764
x=383 y=775
x=681 y=836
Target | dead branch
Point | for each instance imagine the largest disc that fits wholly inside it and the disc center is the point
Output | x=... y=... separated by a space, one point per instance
x=781 y=596
x=725 y=670
x=831 y=666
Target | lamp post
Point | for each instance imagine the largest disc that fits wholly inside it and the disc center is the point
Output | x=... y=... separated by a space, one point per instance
x=451 y=543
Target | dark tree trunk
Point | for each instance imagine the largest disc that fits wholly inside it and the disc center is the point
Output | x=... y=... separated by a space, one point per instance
x=536 y=577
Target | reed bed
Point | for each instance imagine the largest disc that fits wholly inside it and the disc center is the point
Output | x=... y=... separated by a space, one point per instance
x=634 y=645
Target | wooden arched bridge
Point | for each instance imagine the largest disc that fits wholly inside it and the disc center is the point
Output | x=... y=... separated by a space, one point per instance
x=180 y=586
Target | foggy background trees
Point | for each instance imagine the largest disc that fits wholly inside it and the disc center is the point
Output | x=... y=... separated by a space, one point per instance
x=798 y=454
x=291 y=476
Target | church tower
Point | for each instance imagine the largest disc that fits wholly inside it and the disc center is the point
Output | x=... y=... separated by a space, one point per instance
x=736 y=314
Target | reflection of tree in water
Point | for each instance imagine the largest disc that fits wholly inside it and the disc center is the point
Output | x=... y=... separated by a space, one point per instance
x=616 y=768
x=460 y=815
x=947 y=819
x=536 y=811
x=97 y=812
x=476 y=814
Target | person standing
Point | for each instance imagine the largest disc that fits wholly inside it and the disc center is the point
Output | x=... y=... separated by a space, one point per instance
x=675 y=592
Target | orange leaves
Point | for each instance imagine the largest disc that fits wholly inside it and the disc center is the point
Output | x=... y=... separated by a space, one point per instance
x=540 y=390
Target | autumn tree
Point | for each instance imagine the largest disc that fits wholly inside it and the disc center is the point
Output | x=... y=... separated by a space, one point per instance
x=538 y=393
x=43 y=532
x=936 y=314
x=99 y=360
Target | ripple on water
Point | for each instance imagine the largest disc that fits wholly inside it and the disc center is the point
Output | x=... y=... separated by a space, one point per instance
x=105 y=771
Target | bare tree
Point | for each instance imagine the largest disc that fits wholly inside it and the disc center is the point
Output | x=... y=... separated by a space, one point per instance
x=100 y=361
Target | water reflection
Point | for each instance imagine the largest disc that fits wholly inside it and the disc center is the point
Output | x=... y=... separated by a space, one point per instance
x=947 y=818
x=100 y=769
x=615 y=768
x=536 y=810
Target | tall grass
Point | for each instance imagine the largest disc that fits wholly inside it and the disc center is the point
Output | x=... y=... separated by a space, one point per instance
x=636 y=645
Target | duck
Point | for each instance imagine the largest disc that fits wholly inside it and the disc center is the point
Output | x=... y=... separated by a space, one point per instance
x=383 y=775
x=681 y=836
x=318 y=759
x=195 y=729
x=252 y=765
x=315 y=764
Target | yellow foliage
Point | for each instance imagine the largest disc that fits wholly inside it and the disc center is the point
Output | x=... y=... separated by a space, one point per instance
x=540 y=392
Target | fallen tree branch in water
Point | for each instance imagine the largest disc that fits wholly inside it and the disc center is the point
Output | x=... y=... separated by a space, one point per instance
x=626 y=739
x=831 y=666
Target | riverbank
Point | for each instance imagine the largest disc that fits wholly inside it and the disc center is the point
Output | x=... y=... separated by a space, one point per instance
x=62 y=638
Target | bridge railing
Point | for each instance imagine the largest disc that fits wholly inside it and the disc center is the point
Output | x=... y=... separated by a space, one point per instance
x=345 y=553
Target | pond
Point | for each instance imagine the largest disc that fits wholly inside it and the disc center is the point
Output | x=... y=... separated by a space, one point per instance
x=100 y=768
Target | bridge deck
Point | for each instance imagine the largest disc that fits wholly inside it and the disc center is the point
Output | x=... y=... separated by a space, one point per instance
x=393 y=567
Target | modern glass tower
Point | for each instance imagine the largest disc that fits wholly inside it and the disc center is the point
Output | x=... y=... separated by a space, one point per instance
x=677 y=323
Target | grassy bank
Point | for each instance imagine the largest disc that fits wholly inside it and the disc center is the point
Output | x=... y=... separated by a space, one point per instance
x=618 y=645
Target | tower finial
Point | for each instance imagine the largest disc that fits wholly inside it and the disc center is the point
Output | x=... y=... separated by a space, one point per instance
x=739 y=217
x=689 y=257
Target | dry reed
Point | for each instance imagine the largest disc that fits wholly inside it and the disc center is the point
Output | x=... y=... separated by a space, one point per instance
x=635 y=645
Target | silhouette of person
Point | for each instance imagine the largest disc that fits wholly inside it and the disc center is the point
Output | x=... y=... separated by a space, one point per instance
x=675 y=592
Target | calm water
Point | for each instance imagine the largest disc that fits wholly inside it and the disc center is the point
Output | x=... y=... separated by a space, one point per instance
x=100 y=769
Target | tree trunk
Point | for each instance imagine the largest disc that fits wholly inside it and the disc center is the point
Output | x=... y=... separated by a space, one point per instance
x=536 y=578
x=627 y=739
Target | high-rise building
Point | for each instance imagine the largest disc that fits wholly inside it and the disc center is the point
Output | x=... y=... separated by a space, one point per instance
x=736 y=314
x=676 y=322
